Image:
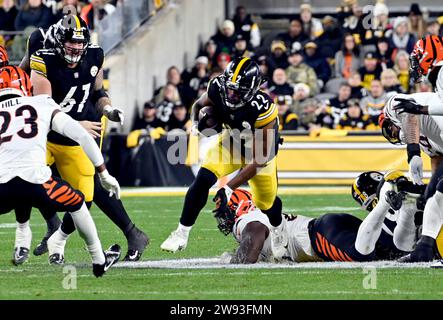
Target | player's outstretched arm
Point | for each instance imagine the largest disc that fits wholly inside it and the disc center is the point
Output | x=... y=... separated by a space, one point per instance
x=253 y=239
x=411 y=125
x=103 y=103
x=40 y=84
x=65 y=125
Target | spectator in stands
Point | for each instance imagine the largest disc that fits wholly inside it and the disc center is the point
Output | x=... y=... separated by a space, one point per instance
x=350 y=15
x=241 y=48
x=8 y=13
x=198 y=74
x=373 y=104
x=330 y=41
x=210 y=51
x=401 y=39
x=148 y=119
x=179 y=118
x=294 y=34
x=384 y=53
x=354 y=118
x=288 y=120
x=371 y=70
x=317 y=62
x=337 y=106
x=300 y=72
x=173 y=76
x=380 y=24
x=357 y=90
x=312 y=27
x=416 y=22
x=401 y=67
x=310 y=108
x=263 y=64
x=301 y=93
x=34 y=14
x=245 y=26
x=433 y=27
x=347 y=60
x=96 y=11
x=164 y=108
x=280 y=86
x=223 y=60
x=77 y=4
x=278 y=58
x=225 y=37
x=390 y=82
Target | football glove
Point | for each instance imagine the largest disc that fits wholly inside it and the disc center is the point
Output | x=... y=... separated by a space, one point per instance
x=109 y=183
x=409 y=106
x=114 y=114
x=416 y=169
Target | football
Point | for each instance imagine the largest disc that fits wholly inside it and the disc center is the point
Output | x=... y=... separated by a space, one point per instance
x=207 y=119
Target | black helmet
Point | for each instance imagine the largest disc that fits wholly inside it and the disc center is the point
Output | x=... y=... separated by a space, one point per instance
x=364 y=189
x=71 y=29
x=241 y=80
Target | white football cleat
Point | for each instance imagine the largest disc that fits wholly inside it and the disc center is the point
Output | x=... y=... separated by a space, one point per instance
x=177 y=240
x=279 y=240
x=437 y=265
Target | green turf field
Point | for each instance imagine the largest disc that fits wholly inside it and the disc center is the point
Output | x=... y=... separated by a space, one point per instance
x=158 y=216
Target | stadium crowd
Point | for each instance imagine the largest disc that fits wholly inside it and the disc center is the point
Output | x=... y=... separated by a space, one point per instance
x=331 y=72
x=323 y=73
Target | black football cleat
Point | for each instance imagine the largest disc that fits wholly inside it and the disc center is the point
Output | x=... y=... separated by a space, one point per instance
x=56 y=259
x=423 y=252
x=42 y=247
x=112 y=255
x=20 y=256
x=137 y=243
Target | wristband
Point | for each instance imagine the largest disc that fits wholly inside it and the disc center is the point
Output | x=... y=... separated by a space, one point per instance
x=413 y=149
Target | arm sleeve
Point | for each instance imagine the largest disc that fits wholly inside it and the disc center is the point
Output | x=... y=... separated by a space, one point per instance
x=65 y=125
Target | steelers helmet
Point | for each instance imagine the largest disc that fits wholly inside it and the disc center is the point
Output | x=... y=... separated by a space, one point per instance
x=364 y=189
x=71 y=29
x=241 y=80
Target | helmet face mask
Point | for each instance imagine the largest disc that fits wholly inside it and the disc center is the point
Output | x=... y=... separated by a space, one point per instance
x=390 y=130
x=71 y=41
x=240 y=82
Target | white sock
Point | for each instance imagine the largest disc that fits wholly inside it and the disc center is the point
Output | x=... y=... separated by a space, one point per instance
x=23 y=235
x=370 y=229
x=404 y=232
x=432 y=215
x=57 y=242
x=87 y=230
x=184 y=229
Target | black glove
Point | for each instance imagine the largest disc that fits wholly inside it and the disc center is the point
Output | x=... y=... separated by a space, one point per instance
x=222 y=213
x=414 y=70
x=409 y=106
x=394 y=199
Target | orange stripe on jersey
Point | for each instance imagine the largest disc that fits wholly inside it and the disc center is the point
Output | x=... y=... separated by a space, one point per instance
x=58 y=192
x=74 y=199
x=328 y=248
x=335 y=253
x=78 y=200
x=347 y=257
x=318 y=245
x=49 y=186
x=342 y=255
x=322 y=242
x=65 y=196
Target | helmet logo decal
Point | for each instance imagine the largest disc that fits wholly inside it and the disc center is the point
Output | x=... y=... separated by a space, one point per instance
x=94 y=71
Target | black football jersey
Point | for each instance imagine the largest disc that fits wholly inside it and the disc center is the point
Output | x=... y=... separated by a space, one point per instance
x=71 y=87
x=35 y=41
x=257 y=113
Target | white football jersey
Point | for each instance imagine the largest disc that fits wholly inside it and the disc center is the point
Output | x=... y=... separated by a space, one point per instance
x=24 y=126
x=431 y=127
x=299 y=246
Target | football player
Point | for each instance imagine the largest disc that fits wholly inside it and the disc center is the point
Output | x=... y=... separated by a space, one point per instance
x=426 y=60
x=25 y=179
x=251 y=126
x=385 y=234
x=4 y=59
x=70 y=69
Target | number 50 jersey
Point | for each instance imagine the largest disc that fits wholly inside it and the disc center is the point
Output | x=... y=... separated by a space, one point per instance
x=71 y=87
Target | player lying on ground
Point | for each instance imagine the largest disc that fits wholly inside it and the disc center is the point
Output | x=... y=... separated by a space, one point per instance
x=419 y=114
x=385 y=234
x=249 y=142
x=25 y=179
x=65 y=65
